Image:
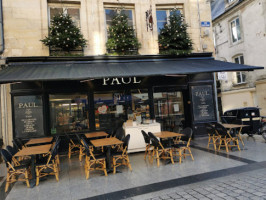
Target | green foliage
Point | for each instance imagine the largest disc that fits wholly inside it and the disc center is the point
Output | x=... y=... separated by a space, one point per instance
x=173 y=37
x=121 y=36
x=63 y=34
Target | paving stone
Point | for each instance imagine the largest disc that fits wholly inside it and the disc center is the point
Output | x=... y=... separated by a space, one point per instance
x=259 y=194
x=221 y=194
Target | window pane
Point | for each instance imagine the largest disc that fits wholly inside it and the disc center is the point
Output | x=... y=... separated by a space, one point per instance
x=109 y=14
x=238 y=76
x=237 y=60
x=55 y=11
x=241 y=60
x=110 y=109
x=161 y=16
x=68 y=113
x=234 y=31
x=169 y=109
x=160 y=25
x=243 y=76
x=177 y=12
x=140 y=106
x=238 y=29
x=74 y=13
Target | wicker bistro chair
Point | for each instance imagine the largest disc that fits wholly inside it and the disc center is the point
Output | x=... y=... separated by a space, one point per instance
x=49 y=162
x=223 y=136
x=122 y=155
x=73 y=145
x=148 y=144
x=13 y=171
x=81 y=145
x=183 y=148
x=12 y=152
x=226 y=139
x=162 y=152
x=213 y=136
x=93 y=162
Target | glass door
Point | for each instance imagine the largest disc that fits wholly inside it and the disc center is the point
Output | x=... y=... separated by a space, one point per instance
x=169 y=110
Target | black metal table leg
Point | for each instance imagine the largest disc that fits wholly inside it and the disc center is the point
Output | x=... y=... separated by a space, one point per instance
x=33 y=172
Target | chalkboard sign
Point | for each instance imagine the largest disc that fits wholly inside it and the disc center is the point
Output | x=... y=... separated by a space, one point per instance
x=202 y=100
x=28 y=116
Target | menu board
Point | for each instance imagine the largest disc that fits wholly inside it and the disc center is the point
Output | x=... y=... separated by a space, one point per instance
x=28 y=116
x=203 y=103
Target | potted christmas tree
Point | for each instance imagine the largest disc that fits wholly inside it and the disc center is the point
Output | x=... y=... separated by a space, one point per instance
x=64 y=36
x=173 y=37
x=121 y=36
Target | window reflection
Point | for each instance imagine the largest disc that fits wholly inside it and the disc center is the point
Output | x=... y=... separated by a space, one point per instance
x=68 y=113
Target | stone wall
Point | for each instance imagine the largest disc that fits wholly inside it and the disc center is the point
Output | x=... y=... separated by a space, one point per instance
x=26 y=23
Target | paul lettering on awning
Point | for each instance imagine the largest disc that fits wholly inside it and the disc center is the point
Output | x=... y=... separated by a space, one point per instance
x=119 y=81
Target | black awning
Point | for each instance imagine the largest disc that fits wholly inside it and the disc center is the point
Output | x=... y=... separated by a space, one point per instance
x=84 y=70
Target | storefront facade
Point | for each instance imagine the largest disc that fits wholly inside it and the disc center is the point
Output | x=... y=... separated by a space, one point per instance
x=57 y=107
x=56 y=96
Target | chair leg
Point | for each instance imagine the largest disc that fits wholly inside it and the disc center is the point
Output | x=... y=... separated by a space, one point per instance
x=56 y=173
x=226 y=146
x=214 y=143
x=209 y=142
x=37 y=176
x=190 y=153
x=27 y=178
x=87 y=172
x=237 y=142
x=7 y=181
x=146 y=151
x=69 y=152
x=180 y=156
x=128 y=163
x=80 y=153
x=158 y=158
x=171 y=156
x=114 y=165
x=105 y=172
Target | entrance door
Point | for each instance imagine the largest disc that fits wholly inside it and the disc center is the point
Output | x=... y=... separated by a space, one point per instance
x=169 y=110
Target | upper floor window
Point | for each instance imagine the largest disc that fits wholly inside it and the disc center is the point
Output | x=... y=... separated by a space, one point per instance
x=162 y=16
x=240 y=76
x=235 y=30
x=111 y=12
x=71 y=10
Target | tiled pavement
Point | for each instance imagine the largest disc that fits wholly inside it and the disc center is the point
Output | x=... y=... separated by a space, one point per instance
x=248 y=185
x=236 y=175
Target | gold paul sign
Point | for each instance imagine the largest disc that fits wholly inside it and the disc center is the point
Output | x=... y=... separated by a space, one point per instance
x=119 y=81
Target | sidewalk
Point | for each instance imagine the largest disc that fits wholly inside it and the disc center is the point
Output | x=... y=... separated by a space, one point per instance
x=211 y=175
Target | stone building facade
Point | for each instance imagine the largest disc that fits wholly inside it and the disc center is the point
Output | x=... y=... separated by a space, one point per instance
x=239 y=31
x=26 y=23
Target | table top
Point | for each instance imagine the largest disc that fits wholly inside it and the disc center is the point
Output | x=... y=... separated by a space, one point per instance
x=167 y=134
x=234 y=125
x=34 y=150
x=39 y=140
x=96 y=134
x=106 y=142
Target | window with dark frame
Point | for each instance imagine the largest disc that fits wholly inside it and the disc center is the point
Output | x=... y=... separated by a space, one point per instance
x=235 y=30
x=162 y=16
x=240 y=76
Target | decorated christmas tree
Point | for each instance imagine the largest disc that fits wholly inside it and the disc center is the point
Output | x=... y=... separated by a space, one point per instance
x=64 y=34
x=121 y=37
x=173 y=37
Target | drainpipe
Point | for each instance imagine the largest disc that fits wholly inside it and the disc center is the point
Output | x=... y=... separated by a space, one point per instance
x=2 y=43
x=216 y=97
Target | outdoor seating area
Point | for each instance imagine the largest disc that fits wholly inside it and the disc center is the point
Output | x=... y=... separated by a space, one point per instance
x=224 y=136
x=39 y=157
x=74 y=184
